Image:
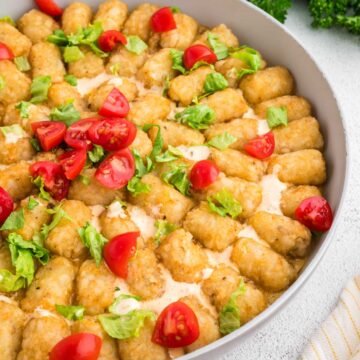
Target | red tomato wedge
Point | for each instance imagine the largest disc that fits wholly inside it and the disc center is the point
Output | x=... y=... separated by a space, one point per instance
x=6 y=205
x=315 y=213
x=108 y=40
x=119 y=250
x=261 y=147
x=76 y=135
x=196 y=53
x=203 y=174
x=81 y=346
x=163 y=20
x=176 y=326
x=73 y=162
x=5 y=52
x=115 y=105
x=116 y=170
x=112 y=134
x=55 y=181
x=49 y=7
x=49 y=133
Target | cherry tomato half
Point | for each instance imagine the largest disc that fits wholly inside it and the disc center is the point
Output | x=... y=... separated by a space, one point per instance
x=116 y=170
x=203 y=174
x=76 y=135
x=112 y=134
x=196 y=53
x=108 y=40
x=6 y=205
x=81 y=346
x=119 y=250
x=163 y=20
x=55 y=181
x=176 y=326
x=5 y=52
x=49 y=7
x=115 y=105
x=261 y=147
x=49 y=133
x=73 y=162
x=315 y=213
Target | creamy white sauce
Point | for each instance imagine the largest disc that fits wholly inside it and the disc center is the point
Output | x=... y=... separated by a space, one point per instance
x=43 y=313
x=86 y=85
x=2 y=167
x=5 y=298
x=116 y=210
x=206 y=273
x=195 y=153
x=116 y=81
x=13 y=134
x=142 y=90
x=216 y=258
x=175 y=290
x=144 y=222
x=263 y=126
x=96 y=210
x=126 y=305
x=249 y=232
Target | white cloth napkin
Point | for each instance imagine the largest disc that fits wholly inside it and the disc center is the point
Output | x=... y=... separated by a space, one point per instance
x=339 y=336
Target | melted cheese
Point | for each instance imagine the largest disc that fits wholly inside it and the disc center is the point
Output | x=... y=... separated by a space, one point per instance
x=96 y=210
x=86 y=85
x=263 y=126
x=195 y=153
x=116 y=210
x=144 y=222
x=43 y=313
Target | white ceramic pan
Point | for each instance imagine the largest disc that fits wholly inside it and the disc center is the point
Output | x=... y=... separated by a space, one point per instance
x=278 y=46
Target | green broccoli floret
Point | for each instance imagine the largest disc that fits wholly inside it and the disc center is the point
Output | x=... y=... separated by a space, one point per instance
x=276 y=8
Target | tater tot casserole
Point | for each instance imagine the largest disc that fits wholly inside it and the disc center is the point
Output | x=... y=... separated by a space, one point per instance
x=160 y=182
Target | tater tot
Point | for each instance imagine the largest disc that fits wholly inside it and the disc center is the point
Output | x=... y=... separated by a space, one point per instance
x=88 y=66
x=224 y=35
x=284 y=235
x=76 y=16
x=298 y=135
x=230 y=68
x=212 y=230
x=12 y=321
x=267 y=84
x=223 y=281
x=182 y=256
x=243 y=129
x=91 y=325
x=238 y=164
x=138 y=23
x=19 y=44
x=293 y=196
x=142 y=348
x=262 y=264
x=36 y=25
x=156 y=69
x=248 y=194
x=40 y=335
x=16 y=180
x=208 y=324
x=34 y=219
x=17 y=84
x=95 y=287
x=61 y=93
x=176 y=134
x=170 y=203
x=185 y=88
x=64 y=239
x=112 y=14
x=184 y=34
x=36 y=113
x=53 y=284
x=148 y=109
x=145 y=277
x=97 y=97
x=12 y=152
x=303 y=167
x=142 y=143
x=125 y=62
x=296 y=107
x=93 y=193
x=228 y=104
x=45 y=60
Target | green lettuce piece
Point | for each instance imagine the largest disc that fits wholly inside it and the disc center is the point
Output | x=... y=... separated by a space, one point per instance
x=163 y=228
x=39 y=183
x=32 y=204
x=22 y=63
x=71 y=79
x=113 y=307
x=15 y=221
x=276 y=116
x=135 y=44
x=66 y=113
x=23 y=106
x=10 y=282
x=93 y=240
x=71 y=312
x=223 y=203
x=177 y=177
x=198 y=116
x=215 y=82
x=250 y=57
x=220 y=49
x=222 y=141
x=2 y=83
x=39 y=89
x=72 y=54
x=8 y=20
x=125 y=326
x=177 y=60
x=171 y=154
x=15 y=129
x=96 y=154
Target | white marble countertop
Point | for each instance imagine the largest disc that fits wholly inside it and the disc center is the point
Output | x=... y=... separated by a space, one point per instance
x=284 y=337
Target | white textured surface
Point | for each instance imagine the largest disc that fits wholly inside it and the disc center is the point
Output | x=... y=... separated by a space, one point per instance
x=284 y=337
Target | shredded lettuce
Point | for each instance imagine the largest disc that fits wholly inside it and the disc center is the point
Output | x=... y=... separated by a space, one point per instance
x=219 y=48
x=177 y=177
x=70 y=312
x=135 y=44
x=39 y=89
x=23 y=107
x=22 y=63
x=215 y=82
x=198 y=116
x=15 y=221
x=163 y=228
x=276 y=116
x=223 y=203
x=32 y=203
x=66 y=113
x=222 y=141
